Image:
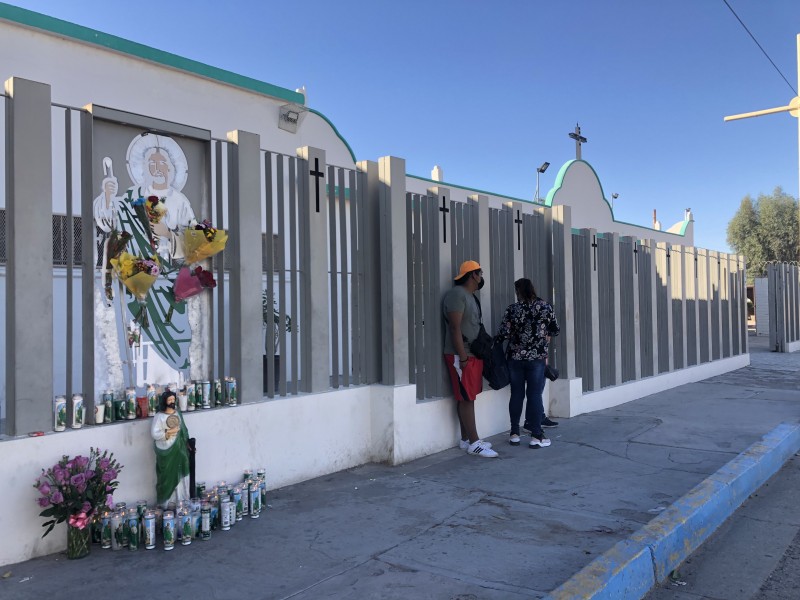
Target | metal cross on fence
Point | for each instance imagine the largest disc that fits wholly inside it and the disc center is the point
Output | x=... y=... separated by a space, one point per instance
x=444 y=210
x=518 y=221
x=636 y=257
x=316 y=174
x=594 y=251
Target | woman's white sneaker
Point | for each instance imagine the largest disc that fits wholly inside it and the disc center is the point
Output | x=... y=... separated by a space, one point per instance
x=480 y=448
x=539 y=441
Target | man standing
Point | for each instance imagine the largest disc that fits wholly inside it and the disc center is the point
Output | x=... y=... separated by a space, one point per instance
x=171 y=442
x=463 y=317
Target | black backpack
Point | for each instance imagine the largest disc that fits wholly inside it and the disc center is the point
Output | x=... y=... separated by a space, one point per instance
x=495 y=368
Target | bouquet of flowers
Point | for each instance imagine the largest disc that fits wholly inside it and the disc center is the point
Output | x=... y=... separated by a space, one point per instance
x=115 y=244
x=138 y=274
x=73 y=490
x=203 y=241
x=188 y=283
x=155 y=208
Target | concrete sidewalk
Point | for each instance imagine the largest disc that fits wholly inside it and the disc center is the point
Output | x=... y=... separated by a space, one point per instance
x=452 y=526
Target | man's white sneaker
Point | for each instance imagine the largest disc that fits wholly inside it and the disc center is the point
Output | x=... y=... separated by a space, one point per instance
x=464 y=444
x=479 y=448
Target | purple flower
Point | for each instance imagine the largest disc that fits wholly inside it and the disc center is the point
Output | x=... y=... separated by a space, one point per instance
x=44 y=488
x=80 y=462
x=59 y=475
x=86 y=507
x=89 y=474
x=56 y=497
x=43 y=502
x=78 y=479
x=109 y=475
x=103 y=464
x=109 y=501
x=81 y=488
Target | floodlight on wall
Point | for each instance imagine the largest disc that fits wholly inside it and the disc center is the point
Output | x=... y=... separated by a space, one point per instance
x=539 y=171
x=291 y=117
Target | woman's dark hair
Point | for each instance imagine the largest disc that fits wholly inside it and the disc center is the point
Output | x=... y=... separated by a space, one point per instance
x=524 y=288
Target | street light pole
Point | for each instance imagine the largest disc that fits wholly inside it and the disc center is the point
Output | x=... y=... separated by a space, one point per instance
x=539 y=171
x=793 y=108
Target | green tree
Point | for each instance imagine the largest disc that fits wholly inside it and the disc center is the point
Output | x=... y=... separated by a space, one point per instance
x=765 y=230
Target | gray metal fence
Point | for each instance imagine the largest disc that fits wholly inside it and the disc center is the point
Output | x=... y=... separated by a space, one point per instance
x=425 y=329
x=501 y=261
x=783 y=286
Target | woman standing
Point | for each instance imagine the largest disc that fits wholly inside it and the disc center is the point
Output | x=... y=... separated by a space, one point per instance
x=528 y=325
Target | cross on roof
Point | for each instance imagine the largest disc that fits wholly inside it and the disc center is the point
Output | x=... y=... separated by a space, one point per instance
x=579 y=139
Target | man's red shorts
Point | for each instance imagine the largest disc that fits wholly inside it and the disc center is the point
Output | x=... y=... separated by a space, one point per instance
x=471 y=377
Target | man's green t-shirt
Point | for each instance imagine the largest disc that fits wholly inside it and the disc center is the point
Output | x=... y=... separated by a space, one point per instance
x=458 y=299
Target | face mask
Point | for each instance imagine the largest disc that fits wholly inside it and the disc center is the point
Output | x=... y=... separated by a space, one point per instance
x=480 y=285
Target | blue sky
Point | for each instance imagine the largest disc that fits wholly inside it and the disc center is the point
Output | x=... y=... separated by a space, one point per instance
x=490 y=90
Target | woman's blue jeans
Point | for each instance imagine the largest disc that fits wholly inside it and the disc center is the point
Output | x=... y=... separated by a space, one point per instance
x=527 y=380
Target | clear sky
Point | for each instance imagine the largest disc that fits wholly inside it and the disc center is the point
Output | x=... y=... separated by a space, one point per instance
x=490 y=90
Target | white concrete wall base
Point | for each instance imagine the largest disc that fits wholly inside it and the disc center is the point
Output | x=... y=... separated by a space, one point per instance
x=793 y=346
x=572 y=402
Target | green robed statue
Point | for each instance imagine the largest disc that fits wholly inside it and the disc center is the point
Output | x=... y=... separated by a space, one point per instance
x=171 y=443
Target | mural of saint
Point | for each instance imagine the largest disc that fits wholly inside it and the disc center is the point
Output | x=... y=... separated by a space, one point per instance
x=154 y=211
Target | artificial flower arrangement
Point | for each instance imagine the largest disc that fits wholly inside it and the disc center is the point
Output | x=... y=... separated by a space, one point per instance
x=138 y=274
x=155 y=208
x=73 y=490
x=202 y=240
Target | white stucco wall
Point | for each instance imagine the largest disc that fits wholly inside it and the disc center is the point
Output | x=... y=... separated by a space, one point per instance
x=578 y=185
x=82 y=74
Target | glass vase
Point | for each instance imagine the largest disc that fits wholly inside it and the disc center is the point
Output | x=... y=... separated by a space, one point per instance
x=78 y=542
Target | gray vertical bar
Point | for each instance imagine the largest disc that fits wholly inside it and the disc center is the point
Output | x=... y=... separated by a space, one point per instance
x=372 y=280
x=70 y=255
x=345 y=357
x=269 y=268
x=393 y=274
x=294 y=269
x=219 y=263
x=314 y=225
x=355 y=282
x=88 y=259
x=29 y=271
x=334 y=283
x=418 y=299
x=245 y=295
x=282 y=240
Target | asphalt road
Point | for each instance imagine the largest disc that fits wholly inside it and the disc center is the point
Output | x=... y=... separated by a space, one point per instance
x=755 y=555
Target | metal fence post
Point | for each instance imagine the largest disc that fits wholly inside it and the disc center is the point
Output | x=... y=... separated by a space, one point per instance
x=559 y=227
x=29 y=271
x=313 y=215
x=485 y=259
x=393 y=271
x=244 y=218
x=617 y=309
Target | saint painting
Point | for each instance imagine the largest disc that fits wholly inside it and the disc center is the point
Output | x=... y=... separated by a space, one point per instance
x=147 y=220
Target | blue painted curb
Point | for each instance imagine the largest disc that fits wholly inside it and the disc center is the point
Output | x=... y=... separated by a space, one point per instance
x=633 y=566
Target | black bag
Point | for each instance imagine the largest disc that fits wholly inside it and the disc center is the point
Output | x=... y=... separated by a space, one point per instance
x=481 y=346
x=550 y=372
x=495 y=368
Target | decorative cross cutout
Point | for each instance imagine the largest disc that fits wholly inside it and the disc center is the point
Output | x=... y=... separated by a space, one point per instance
x=695 y=267
x=668 y=263
x=518 y=221
x=636 y=257
x=316 y=174
x=444 y=210
x=594 y=251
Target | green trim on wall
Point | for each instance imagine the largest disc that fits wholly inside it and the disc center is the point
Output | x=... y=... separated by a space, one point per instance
x=462 y=187
x=560 y=182
x=336 y=131
x=66 y=29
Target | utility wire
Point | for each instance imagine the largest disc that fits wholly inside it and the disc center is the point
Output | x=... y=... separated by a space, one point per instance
x=791 y=87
